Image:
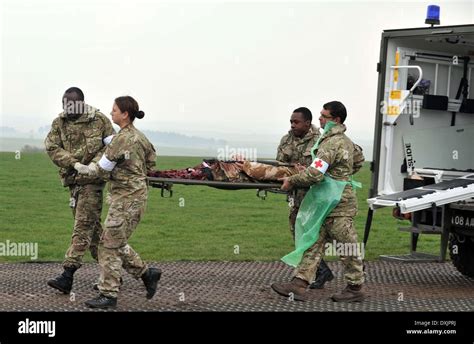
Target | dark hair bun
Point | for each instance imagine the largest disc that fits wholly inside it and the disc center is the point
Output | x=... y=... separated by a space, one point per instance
x=140 y=114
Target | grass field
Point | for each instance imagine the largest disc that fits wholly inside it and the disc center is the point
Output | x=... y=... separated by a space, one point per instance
x=34 y=208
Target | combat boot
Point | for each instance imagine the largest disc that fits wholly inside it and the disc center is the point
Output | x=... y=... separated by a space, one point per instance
x=64 y=281
x=296 y=288
x=150 y=278
x=351 y=293
x=323 y=275
x=102 y=302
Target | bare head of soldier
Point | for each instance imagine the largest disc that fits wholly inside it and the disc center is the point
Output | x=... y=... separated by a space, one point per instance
x=125 y=110
x=301 y=121
x=333 y=111
x=73 y=102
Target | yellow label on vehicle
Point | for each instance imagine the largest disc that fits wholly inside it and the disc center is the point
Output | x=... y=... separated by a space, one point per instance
x=396 y=94
x=395 y=72
x=393 y=110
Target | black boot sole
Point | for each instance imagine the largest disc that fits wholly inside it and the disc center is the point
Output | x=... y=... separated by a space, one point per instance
x=100 y=307
x=53 y=284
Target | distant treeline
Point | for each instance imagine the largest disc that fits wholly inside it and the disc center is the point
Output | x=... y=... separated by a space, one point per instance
x=172 y=139
x=161 y=138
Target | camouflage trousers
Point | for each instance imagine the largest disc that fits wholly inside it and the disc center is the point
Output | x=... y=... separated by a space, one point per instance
x=339 y=230
x=86 y=204
x=295 y=199
x=114 y=250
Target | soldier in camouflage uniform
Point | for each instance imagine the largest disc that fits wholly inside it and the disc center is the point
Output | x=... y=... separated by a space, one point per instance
x=126 y=162
x=78 y=135
x=295 y=148
x=338 y=157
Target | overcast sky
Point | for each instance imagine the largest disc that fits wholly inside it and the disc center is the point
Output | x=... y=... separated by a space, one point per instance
x=208 y=68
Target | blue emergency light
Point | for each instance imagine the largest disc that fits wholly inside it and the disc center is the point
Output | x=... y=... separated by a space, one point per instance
x=432 y=16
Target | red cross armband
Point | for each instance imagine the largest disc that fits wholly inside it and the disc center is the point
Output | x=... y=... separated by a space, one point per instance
x=320 y=165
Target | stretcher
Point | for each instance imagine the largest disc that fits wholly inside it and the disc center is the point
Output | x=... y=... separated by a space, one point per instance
x=166 y=185
x=262 y=187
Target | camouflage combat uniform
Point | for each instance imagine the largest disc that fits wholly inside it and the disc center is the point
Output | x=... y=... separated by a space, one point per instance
x=126 y=161
x=72 y=140
x=293 y=150
x=344 y=159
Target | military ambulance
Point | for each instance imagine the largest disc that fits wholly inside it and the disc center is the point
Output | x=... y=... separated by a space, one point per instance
x=423 y=158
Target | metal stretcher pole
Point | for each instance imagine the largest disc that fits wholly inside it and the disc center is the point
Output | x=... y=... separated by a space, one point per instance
x=167 y=184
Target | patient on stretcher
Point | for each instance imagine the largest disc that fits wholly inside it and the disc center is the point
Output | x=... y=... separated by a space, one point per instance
x=230 y=171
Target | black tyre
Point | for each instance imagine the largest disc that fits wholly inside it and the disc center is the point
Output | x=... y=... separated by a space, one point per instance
x=462 y=254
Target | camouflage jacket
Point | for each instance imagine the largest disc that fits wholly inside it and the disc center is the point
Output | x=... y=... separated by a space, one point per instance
x=126 y=162
x=77 y=140
x=338 y=157
x=294 y=150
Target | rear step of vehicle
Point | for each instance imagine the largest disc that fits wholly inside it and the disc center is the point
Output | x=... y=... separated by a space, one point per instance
x=415 y=257
x=420 y=257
